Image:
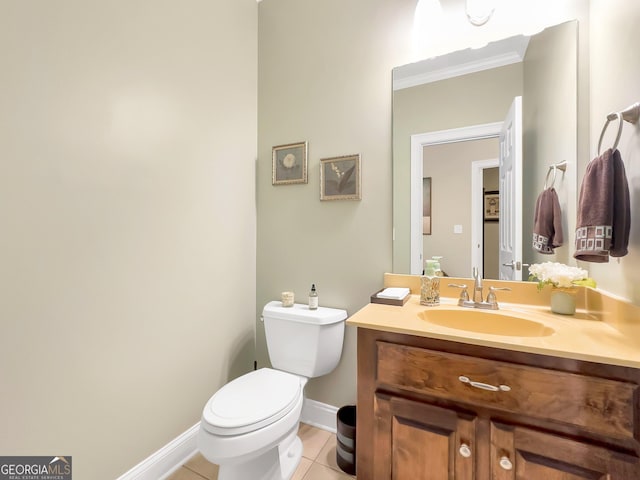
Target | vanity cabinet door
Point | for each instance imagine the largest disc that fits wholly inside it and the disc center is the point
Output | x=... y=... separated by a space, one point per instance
x=518 y=453
x=418 y=441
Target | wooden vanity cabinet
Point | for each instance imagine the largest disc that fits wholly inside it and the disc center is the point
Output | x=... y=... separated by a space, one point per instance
x=431 y=409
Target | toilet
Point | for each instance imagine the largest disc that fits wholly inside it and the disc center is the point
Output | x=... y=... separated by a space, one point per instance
x=250 y=426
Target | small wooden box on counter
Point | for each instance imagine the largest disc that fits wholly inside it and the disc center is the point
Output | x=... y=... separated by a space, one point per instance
x=389 y=301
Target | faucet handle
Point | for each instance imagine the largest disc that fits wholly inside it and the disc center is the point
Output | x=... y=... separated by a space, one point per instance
x=464 y=294
x=491 y=297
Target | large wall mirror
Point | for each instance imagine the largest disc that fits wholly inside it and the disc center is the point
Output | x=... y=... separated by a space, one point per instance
x=454 y=108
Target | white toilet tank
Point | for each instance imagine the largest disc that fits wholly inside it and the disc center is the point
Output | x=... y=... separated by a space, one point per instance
x=303 y=341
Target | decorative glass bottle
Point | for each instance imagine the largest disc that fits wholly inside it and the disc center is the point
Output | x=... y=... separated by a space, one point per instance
x=313 y=298
x=430 y=285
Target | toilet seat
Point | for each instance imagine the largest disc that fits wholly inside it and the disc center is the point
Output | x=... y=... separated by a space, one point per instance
x=251 y=402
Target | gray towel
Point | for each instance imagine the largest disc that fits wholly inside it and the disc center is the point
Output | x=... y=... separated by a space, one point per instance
x=604 y=210
x=547 y=223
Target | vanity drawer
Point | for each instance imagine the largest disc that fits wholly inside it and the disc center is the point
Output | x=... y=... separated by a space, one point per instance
x=598 y=405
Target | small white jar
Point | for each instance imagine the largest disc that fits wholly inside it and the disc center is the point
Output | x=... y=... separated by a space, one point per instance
x=287 y=299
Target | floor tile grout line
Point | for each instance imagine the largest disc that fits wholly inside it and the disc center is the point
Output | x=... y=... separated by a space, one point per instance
x=322 y=448
x=197 y=473
x=314 y=459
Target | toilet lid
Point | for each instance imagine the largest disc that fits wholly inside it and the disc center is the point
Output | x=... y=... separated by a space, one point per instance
x=252 y=401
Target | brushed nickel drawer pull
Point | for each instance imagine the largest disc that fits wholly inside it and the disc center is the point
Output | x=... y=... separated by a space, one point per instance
x=465 y=451
x=484 y=386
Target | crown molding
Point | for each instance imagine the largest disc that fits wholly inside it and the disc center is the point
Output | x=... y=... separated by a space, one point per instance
x=496 y=54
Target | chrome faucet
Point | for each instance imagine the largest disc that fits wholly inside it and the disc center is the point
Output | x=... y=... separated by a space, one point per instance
x=477 y=286
x=492 y=301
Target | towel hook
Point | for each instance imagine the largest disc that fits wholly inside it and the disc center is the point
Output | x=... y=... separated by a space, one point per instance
x=630 y=114
x=554 y=168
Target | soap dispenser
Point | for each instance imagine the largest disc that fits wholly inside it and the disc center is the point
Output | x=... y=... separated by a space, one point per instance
x=430 y=284
x=436 y=265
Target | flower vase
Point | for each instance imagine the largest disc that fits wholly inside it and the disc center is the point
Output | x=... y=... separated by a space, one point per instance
x=563 y=300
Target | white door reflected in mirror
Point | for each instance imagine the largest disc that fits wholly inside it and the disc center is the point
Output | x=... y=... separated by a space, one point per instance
x=510 y=213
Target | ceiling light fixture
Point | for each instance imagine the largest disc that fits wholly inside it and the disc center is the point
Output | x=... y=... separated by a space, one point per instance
x=479 y=11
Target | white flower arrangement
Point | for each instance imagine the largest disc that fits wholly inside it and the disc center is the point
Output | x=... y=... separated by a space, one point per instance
x=559 y=275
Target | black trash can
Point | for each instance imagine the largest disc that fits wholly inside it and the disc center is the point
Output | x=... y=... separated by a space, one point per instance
x=346 y=439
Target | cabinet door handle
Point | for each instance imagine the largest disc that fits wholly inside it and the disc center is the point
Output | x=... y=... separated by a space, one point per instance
x=505 y=463
x=484 y=386
x=465 y=451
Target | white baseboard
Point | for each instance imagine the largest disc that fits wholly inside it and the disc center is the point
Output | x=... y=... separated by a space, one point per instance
x=319 y=415
x=168 y=459
x=174 y=454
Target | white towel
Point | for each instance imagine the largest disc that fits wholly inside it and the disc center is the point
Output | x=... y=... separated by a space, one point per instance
x=396 y=293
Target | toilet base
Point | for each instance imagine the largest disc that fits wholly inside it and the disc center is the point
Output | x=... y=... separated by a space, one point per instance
x=278 y=463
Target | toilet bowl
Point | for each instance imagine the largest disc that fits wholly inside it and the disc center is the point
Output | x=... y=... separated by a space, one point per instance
x=247 y=419
x=249 y=427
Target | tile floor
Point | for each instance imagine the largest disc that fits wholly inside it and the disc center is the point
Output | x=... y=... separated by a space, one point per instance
x=318 y=460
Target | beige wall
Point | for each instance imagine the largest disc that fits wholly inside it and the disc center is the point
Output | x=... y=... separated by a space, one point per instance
x=325 y=77
x=127 y=147
x=550 y=112
x=615 y=70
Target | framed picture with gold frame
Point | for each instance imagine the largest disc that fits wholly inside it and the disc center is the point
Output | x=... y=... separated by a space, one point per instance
x=340 y=178
x=289 y=163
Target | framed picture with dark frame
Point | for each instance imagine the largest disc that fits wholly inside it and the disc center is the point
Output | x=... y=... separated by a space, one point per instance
x=340 y=178
x=491 y=206
x=289 y=163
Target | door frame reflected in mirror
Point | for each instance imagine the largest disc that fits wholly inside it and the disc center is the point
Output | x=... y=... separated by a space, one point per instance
x=418 y=143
